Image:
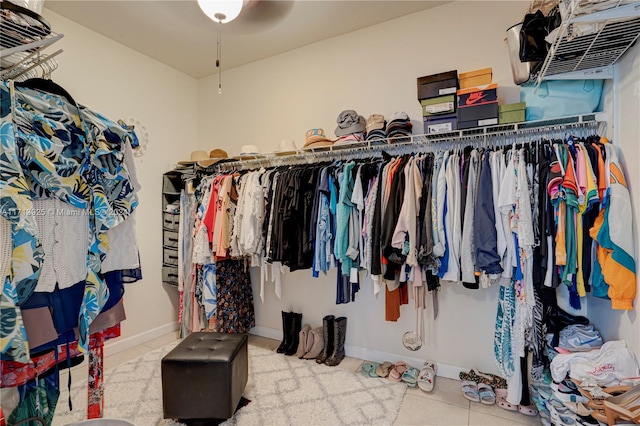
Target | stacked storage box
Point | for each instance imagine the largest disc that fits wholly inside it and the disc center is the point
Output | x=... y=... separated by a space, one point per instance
x=437 y=95
x=477 y=99
x=512 y=113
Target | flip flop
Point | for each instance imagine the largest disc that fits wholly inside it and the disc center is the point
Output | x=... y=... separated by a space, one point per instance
x=383 y=369
x=470 y=390
x=396 y=372
x=427 y=376
x=486 y=394
x=410 y=377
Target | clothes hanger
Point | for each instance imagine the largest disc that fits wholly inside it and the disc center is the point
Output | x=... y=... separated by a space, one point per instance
x=48 y=86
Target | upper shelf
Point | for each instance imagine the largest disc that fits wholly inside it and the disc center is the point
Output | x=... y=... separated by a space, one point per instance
x=592 y=55
x=555 y=128
x=23 y=37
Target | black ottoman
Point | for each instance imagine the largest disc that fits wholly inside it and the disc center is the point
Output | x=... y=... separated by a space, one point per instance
x=204 y=376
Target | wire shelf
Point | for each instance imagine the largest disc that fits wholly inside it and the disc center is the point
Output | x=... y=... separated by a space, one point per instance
x=504 y=134
x=22 y=39
x=615 y=30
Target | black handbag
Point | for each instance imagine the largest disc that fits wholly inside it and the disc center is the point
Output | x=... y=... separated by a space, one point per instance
x=535 y=27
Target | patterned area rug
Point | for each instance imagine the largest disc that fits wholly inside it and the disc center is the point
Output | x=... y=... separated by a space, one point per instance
x=283 y=390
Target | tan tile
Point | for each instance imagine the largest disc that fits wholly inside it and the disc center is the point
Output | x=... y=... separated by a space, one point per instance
x=444 y=390
x=263 y=342
x=78 y=373
x=477 y=418
x=514 y=416
x=126 y=355
x=163 y=340
x=416 y=410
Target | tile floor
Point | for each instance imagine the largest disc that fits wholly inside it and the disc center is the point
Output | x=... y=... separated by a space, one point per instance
x=444 y=406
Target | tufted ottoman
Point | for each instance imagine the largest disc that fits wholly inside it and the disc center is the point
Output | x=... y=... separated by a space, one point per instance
x=204 y=376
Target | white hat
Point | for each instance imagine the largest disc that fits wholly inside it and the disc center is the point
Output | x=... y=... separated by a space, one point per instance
x=287 y=146
x=249 y=150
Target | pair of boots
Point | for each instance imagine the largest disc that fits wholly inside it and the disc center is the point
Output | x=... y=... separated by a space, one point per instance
x=311 y=342
x=291 y=325
x=334 y=332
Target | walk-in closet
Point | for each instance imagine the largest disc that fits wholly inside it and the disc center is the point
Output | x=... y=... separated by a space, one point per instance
x=308 y=212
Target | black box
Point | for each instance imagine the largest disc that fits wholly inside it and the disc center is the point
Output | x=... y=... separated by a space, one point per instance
x=444 y=83
x=440 y=123
x=204 y=376
x=478 y=116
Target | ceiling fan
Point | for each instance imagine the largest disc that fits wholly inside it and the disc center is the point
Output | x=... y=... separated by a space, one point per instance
x=246 y=16
x=254 y=16
x=260 y=15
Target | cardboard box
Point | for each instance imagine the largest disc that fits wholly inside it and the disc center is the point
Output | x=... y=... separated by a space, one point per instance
x=478 y=116
x=476 y=78
x=479 y=95
x=432 y=86
x=440 y=124
x=438 y=106
x=512 y=113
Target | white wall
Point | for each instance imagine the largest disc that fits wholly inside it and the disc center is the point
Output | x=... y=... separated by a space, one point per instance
x=624 y=324
x=373 y=70
x=120 y=83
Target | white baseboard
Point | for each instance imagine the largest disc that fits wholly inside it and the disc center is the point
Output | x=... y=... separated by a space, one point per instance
x=118 y=345
x=270 y=333
x=444 y=370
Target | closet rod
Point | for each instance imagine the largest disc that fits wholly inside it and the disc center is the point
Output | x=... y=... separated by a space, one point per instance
x=527 y=132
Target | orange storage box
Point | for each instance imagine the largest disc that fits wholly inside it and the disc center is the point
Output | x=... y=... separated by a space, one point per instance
x=475 y=78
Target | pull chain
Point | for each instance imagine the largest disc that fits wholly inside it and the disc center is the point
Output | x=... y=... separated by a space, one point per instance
x=219 y=54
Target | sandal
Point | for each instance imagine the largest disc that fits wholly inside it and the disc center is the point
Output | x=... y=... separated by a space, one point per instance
x=471 y=376
x=486 y=394
x=528 y=410
x=368 y=369
x=501 y=400
x=624 y=406
x=470 y=390
x=493 y=380
x=410 y=377
x=396 y=372
x=427 y=376
x=383 y=369
x=595 y=401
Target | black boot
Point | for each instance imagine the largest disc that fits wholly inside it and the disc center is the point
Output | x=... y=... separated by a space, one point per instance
x=565 y=318
x=294 y=333
x=287 y=319
x=340 y=334
x=327 y=335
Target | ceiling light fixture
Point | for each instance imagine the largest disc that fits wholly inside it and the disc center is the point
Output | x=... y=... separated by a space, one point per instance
x=220 y=11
